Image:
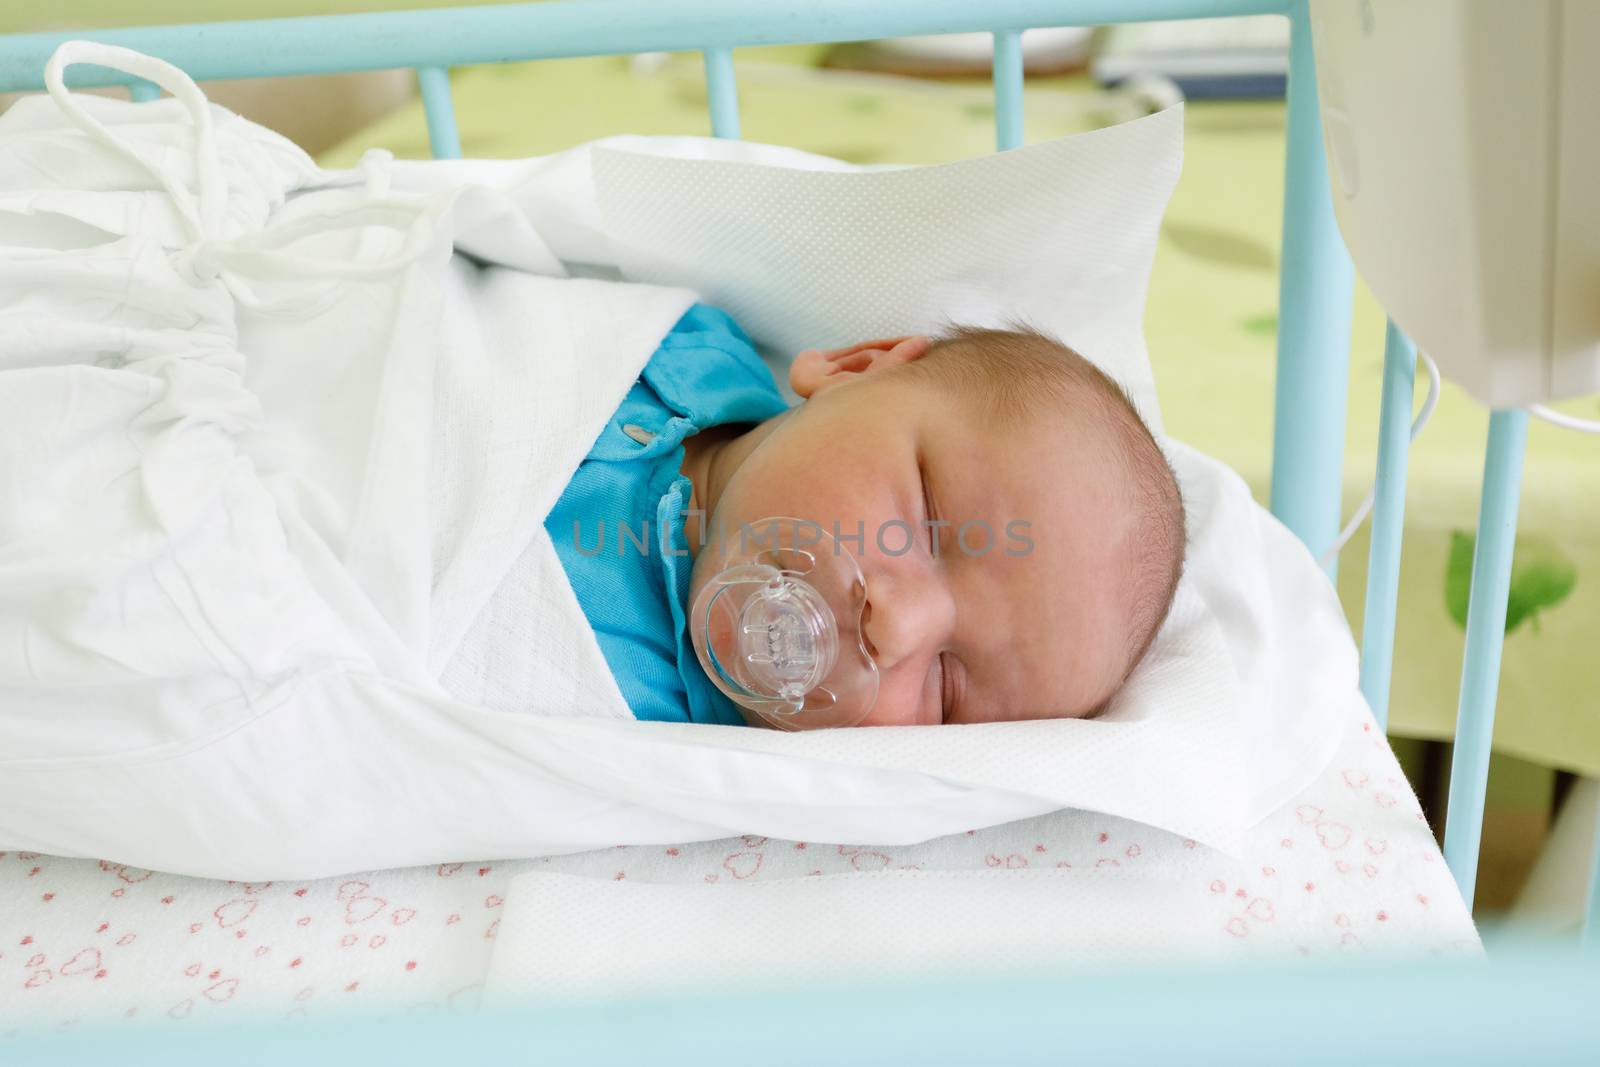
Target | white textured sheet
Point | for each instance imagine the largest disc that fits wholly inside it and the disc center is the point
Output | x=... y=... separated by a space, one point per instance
x=1346 y=866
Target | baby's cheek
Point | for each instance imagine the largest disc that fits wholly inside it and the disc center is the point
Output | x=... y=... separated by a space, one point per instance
x=898 y=704
x=768 y=492
x=881 y=716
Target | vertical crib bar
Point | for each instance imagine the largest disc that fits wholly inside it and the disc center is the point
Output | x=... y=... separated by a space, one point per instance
x=1591 y=920
x=722 y=93
x=443 y=137
x=1486 y=633
x=1314 y=301
x=1388 y=521
x=1007 y=89
x=142 y=90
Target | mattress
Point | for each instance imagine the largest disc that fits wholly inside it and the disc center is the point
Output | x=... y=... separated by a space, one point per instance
x=1346 y=866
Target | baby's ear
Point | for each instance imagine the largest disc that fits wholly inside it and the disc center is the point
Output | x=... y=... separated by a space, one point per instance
x=816 y=369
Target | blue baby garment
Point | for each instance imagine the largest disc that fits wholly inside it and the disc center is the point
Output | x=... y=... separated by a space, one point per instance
x=618 y=527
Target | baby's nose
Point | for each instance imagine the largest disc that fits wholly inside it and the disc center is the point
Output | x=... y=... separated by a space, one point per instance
x=900 y=618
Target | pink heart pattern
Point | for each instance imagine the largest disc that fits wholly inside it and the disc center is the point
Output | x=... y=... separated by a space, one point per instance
x=1347 y=866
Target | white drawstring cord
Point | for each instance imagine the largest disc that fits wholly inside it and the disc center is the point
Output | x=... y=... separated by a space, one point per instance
x=210 y=256
x=203 y=220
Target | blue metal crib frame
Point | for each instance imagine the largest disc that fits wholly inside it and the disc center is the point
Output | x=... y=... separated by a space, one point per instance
x=1315 y=284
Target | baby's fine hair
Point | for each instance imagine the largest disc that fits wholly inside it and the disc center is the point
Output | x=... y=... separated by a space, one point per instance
x=1019 y=373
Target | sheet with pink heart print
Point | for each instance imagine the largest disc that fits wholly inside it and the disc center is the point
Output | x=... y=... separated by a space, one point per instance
x=1346 y=866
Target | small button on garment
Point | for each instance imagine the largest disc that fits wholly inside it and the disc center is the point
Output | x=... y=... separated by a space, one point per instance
x=633 y=494
x=638 y=433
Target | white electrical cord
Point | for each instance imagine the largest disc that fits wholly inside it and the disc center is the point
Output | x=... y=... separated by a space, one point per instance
x=1566 y=422
x=1417 y=424
x=1555 y=418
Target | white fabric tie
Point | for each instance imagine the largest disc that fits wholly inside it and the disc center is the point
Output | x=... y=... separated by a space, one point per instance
x=211 y=255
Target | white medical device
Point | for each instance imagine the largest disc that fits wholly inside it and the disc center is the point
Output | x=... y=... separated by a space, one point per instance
x=1464 y=154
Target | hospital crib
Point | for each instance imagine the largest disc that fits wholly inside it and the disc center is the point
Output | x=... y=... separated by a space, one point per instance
x=1316 y=289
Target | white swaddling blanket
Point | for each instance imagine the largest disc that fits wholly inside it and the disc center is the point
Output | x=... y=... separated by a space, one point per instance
x=266 y=461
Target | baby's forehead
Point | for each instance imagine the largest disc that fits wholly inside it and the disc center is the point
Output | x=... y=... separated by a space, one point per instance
x=1039 y=438
x=1062 y=477
x=1030 y=386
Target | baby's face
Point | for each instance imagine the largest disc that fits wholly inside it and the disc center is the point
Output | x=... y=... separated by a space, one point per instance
x=1025 y=617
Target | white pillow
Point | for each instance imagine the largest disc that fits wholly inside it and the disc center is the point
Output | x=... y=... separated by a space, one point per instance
x=808 y=252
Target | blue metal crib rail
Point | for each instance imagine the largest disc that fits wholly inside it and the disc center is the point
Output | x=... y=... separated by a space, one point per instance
x=1315 y=283
x=1311 y=1017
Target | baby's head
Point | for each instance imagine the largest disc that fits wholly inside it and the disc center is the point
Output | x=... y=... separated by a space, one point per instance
x=1046 y=528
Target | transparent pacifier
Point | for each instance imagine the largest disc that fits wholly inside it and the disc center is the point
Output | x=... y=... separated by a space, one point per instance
x=778 y=627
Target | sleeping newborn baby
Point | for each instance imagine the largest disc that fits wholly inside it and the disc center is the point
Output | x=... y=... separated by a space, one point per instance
x=1009 y=532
